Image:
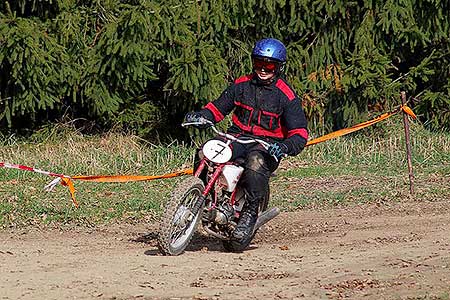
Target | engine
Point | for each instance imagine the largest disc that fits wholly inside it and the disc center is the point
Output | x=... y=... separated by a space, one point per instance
x=224 y=213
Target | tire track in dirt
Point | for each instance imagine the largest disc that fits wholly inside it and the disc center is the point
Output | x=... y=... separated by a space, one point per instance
x=397 y=251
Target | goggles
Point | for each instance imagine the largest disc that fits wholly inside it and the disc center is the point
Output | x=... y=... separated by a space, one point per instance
x=266 y=66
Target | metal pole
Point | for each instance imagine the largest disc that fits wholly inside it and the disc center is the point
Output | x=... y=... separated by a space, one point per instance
x=408 y=146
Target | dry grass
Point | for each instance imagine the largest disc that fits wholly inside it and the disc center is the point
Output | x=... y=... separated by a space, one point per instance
x=347 y=170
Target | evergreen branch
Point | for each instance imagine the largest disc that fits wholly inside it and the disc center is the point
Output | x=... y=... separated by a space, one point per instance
x=318 y=33
x=398 y=79
x=97 y=34
x=7 y=98
x=198 y=17
x=95 y=55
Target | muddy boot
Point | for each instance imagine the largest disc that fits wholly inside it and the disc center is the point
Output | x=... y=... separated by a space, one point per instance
x=255 y=180
x=245 y=226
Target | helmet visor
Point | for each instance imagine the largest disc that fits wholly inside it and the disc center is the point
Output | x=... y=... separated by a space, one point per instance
x=265 y=66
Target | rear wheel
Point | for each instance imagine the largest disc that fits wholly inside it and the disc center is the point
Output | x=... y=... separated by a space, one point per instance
x=181 y=216
x=239 y=246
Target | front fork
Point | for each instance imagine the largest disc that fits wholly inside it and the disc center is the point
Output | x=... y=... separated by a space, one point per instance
x=209 y=185
x=212 y=180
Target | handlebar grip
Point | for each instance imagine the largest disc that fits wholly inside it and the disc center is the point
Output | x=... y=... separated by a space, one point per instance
x=199 y=122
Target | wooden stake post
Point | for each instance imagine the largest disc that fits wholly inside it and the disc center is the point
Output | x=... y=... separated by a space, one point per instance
x=408 y=146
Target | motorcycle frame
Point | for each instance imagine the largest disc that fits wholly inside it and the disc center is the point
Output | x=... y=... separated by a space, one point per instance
x=212 y=181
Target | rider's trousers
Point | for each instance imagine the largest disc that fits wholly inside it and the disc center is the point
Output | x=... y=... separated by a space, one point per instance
x=255 y=179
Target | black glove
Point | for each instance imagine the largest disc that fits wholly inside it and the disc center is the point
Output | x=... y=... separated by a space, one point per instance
x=196 y=116
x=278 y=150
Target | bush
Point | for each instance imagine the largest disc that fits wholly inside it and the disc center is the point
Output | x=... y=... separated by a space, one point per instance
x=141 y=64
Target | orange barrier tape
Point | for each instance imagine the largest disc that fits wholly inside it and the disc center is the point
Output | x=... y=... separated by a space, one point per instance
x=69 y=183
x=408 y=111
x=116 y=178
x=357 y=127
x=127 y=178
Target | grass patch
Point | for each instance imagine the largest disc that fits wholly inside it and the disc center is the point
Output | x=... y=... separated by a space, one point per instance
x=344 y=171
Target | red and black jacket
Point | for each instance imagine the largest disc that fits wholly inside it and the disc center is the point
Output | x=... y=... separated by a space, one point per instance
x=270 y=111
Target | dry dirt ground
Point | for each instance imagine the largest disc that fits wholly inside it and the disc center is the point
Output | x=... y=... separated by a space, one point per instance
x=386 y=251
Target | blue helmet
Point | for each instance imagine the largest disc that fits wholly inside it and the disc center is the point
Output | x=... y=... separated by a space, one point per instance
x=271 y=49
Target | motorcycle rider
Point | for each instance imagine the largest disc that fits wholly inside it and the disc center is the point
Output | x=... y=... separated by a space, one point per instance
x=264 y=106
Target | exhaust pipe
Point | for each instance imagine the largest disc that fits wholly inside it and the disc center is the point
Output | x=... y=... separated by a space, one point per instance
x=266 y=217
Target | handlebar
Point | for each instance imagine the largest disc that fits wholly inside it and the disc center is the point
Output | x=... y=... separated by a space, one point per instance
x=229 y=137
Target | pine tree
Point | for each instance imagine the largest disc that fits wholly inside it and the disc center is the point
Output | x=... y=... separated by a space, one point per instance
x=144 y=63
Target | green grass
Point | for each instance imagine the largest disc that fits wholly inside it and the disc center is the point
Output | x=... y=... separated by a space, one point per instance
x=361 y=169
x=345 y=171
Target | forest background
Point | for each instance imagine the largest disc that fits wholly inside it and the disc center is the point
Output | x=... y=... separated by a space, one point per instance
x=140 y=65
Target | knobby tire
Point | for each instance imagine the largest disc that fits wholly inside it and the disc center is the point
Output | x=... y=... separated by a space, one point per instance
x=191 y=187
x=239 y=246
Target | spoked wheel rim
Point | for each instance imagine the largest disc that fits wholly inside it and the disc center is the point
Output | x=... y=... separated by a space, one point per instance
x=183 y=221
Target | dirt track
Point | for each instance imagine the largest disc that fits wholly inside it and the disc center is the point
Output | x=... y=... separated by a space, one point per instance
x=397 y=251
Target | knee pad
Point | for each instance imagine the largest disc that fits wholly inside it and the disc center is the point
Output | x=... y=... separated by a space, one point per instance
x=255 y=162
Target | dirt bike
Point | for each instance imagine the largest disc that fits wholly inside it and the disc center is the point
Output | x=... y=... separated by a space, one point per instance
x=215 y=202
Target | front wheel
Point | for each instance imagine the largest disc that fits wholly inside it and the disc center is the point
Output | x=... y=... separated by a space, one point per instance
x=181 y=216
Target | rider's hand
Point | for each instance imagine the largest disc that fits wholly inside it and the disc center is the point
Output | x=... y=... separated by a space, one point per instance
x=194 y=117
x=278 y=150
